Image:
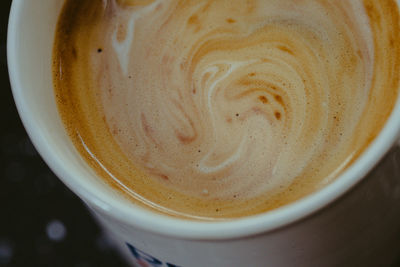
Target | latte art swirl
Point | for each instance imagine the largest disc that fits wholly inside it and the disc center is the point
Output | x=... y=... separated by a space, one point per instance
x=235 y=105
x=226 y=101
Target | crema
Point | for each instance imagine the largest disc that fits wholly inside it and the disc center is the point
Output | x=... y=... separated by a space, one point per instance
x=222 y=109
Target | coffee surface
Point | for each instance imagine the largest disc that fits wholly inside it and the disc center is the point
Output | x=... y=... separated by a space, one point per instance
x=221 y=109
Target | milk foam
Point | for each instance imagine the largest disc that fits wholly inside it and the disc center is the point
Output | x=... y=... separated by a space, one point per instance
x=219 y=102
x=236 y=109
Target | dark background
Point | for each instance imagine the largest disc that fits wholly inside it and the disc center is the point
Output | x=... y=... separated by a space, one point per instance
x=42 y=223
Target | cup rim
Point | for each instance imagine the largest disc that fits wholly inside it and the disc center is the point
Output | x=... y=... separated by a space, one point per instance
x=154 y=222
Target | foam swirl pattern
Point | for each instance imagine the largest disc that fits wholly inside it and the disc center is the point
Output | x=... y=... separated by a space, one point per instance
x=223 y=108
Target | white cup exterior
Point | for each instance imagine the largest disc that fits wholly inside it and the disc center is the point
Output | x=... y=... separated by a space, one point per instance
x=353 y=221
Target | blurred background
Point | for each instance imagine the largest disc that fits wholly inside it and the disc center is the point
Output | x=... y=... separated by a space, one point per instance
x=42 y=223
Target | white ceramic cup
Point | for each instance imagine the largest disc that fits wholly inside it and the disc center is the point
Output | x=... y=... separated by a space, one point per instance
x=355 y=221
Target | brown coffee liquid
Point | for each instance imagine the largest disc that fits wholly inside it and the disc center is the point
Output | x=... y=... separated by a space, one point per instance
x=221 y=109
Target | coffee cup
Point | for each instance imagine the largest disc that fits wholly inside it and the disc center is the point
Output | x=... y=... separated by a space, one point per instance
x=353 y=220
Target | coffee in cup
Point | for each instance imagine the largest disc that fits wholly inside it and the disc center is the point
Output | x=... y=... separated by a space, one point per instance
x=213 y=110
